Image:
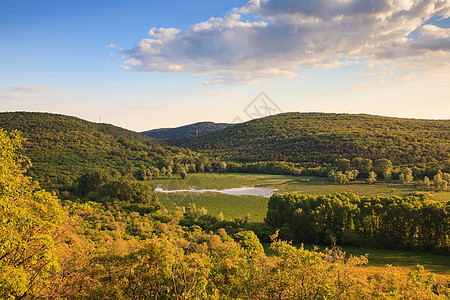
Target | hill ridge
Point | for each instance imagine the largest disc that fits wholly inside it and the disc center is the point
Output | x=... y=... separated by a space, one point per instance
x=324 y=137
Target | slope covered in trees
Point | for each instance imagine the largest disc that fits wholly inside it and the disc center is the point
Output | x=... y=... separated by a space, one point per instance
x=63 y=147
x=324 y=138
x=187 y=131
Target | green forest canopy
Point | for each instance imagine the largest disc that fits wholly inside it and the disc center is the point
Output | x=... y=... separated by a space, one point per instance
x=325 y=137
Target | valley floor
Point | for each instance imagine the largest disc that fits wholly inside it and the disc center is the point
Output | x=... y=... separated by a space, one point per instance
x=236 y=206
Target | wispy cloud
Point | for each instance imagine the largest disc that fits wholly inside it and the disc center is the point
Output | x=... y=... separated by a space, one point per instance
x=385 y=80
x=276 y=38
x=223 y=94
x=26 y=93
x=430 y=30
x=31 y=89
x=438 y=81
x=148 y=105
x=13 y=96
x=111 y=45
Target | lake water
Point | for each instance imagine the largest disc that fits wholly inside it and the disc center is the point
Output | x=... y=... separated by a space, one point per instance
x=242 y=191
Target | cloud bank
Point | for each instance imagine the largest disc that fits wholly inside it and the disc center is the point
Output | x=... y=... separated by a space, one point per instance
x=276 y=38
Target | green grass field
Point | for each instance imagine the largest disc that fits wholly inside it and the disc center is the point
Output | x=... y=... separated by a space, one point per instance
x=406 y=261
x=439 y=264
x=236 y=206
x=231 y=206
x=290 y=184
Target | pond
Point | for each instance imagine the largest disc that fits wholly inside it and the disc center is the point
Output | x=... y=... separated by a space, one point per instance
x=242 y=191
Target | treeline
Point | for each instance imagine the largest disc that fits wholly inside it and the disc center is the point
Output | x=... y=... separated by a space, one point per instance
x=433 y=175
x=388 y=222
x=323 y=138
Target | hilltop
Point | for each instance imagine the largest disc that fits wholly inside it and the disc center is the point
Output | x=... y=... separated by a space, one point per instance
x=63 y=147
x=186 y=131
x=324 y=137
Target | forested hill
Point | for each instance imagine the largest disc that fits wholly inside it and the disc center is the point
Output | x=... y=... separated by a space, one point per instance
x=63 y=147
x=324 y=137
x=187 y=131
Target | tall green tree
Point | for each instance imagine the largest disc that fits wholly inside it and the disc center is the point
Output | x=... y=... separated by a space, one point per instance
x=381 y=166
x=406 y=176
x=363 y=165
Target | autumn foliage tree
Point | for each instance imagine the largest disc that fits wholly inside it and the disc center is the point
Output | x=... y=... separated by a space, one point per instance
x=29 y=221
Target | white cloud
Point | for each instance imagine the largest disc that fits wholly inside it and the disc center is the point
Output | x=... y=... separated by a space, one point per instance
x=430 y=30
x=111 y=45
x=275 y=38
x=384 y=80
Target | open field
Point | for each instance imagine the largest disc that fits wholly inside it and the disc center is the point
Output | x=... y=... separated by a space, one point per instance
x=403 y=261
x=291 y=184
x=439 y=264
x=231 y=206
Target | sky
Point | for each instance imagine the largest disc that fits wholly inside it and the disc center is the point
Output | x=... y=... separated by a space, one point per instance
x=149 y=64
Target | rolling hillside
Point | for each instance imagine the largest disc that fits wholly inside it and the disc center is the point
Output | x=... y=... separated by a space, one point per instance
x=187 y=131
x=321 y=137
x=63 y=147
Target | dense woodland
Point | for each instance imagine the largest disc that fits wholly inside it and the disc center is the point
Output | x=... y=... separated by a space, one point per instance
x=323 y=138
x=103 y=234
x=391 y=222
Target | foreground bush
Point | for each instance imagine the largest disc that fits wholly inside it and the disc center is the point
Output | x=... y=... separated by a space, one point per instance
x=29 y=221
x=173 y=267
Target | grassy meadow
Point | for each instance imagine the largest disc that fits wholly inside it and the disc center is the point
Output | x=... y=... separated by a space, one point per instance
x=236 y=206
x=292 y=184
x=402 y=261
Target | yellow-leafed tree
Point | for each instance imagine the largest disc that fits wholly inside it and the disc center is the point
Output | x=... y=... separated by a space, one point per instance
x=29 y=222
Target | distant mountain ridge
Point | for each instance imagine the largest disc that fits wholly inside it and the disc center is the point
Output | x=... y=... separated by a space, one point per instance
x=325 y=137
x=186 y=131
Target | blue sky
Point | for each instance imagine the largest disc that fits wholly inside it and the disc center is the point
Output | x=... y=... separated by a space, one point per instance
x=149 y=64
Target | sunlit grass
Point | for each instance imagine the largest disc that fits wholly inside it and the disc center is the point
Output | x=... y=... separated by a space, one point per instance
x=231 y=206
x=404 y=261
